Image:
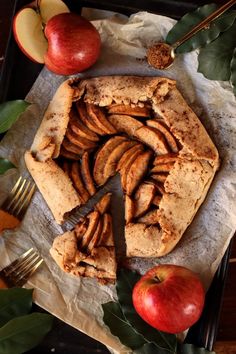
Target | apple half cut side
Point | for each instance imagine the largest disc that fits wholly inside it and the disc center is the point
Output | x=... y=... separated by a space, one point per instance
x=50 y=8
x=28 y=33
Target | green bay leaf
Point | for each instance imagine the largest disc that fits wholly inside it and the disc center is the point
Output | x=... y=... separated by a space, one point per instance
x=125 y=283
x=214 y=60
x=10 y=112
x=13 y=303
x=203 y=37
x=233 y=71
x=24 y=333
x=149 y=348
x=5 y=165
x=119 y=327
x=191 y=349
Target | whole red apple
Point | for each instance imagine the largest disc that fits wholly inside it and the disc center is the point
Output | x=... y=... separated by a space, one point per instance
x=170 y=298
x=73 y=44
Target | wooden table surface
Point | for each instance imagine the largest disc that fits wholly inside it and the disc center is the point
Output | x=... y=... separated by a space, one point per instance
x=226 y=338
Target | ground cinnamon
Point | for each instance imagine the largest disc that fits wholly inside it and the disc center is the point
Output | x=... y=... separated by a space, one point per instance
x=159 y=56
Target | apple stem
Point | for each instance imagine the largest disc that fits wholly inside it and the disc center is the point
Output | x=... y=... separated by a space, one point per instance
x=39 y=12
x=37 y=7
x=158 y=280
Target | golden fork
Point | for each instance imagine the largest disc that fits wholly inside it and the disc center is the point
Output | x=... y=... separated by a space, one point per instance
x=18 y=272
x=14 y=207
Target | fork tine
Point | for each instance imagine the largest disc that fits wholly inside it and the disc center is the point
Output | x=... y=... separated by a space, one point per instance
x=23 y=207
x=21 y=197
x=29 y=270
x=18 y=272
x=14 y=264
x=11 y=194
x=25 y=263
x=17 y=193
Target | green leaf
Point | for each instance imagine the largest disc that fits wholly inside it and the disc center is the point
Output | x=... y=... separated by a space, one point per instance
x=214 y=60
x=24 y=333
x=125 y=283
x=5 y=165
x=9 y=113
x=191 y=349
x=14 y=302
x=233 y=71
x=188 y=21
x=115 y=320
x=149 y=348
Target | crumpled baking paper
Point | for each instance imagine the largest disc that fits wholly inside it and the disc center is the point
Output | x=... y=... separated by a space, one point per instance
x=78 y=301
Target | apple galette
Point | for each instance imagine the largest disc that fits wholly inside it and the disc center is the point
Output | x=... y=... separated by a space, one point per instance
x=139 y=127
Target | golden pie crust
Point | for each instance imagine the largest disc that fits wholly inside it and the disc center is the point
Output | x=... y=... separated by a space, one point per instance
x=139 y=127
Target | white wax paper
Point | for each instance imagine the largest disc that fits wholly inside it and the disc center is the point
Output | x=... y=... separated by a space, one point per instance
x=78 y=301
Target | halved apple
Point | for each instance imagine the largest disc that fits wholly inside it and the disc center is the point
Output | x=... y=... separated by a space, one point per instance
x=50 y=8
x=28 y=27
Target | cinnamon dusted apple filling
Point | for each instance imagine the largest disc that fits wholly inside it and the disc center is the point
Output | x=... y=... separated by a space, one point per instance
x=100 y=142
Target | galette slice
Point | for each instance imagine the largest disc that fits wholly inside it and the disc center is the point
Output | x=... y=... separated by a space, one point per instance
x=88 y=250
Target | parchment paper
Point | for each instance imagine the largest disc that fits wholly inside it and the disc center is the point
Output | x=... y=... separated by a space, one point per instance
x=78 y=301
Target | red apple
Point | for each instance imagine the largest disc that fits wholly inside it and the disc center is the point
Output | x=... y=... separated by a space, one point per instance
x=169 y=298
x=73 y=44
x=28 y=26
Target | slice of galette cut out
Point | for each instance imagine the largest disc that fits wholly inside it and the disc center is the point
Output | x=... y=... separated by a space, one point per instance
x=88 y=250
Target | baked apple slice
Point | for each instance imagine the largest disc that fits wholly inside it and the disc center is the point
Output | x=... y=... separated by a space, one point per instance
x=137 y=171
x=106 y=238
x=98 y=117
x=162 y=167
x=127 y=164
x=70 y=147
x=96 y=236
x=75 y=139
x=159 y=177
x=156 y=200
x=69 y=155
x=125 y=124
x=85 y=118
x=129 y=110
x=104 y=203
x=93 y=220
x=115 y=156
x=128 y=155
x=80 y=129
x=81 y=228
x=78 y=183
x=153 y=138
x=166 y=158
x=143 y=198
x=102 y=156
x=160 y=125
x=86 y=174
x=129 y=209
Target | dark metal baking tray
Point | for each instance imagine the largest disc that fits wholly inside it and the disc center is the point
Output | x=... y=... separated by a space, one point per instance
x=17 y=74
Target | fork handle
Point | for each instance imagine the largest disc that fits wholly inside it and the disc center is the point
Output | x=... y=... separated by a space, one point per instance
x=7 y=221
